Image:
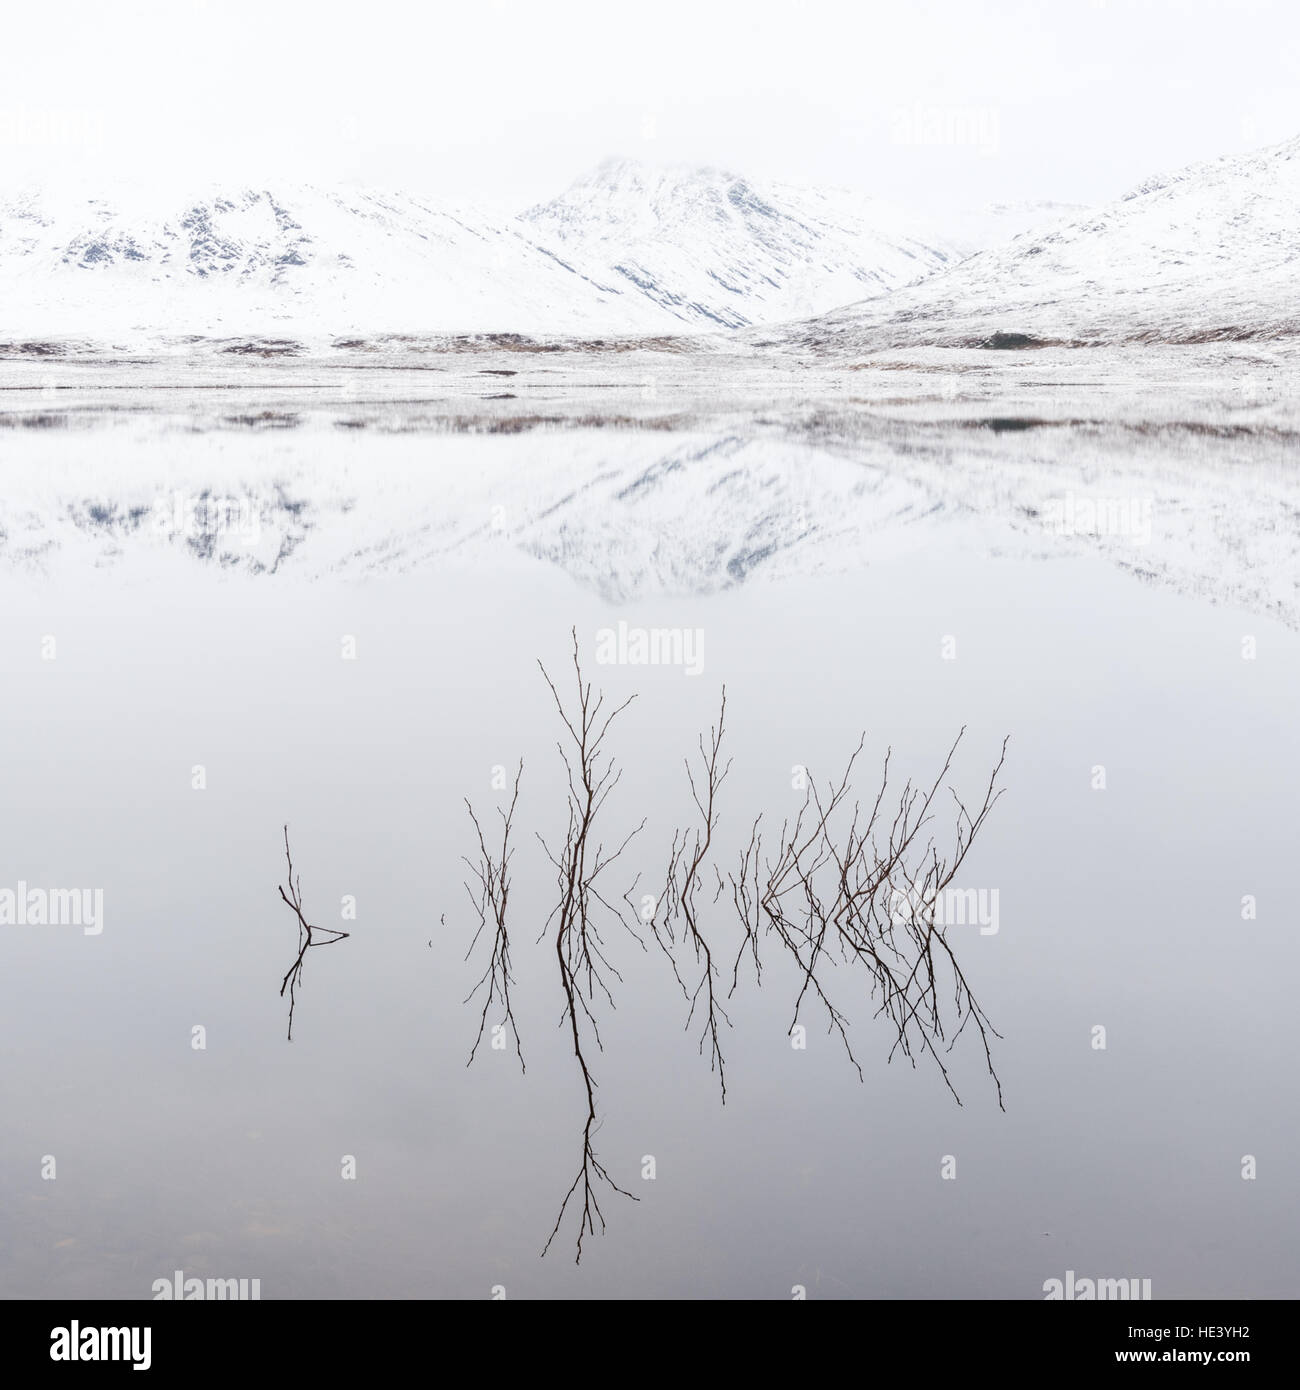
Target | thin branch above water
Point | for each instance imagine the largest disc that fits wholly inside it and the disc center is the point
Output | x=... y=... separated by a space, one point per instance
x=307 y=933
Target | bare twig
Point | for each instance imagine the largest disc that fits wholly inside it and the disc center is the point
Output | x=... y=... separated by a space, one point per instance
x=682 y=881
x=584 y=967
x=492 y=874
x=306 y=933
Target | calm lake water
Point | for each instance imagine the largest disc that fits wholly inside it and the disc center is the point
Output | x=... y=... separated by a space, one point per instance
x=1119 y=908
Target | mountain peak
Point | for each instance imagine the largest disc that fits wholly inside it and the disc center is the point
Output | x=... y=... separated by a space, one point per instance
x=626 y=169
x=718 y=250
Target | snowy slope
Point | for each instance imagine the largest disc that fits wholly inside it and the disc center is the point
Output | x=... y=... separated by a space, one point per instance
x=716 y=251
x=1210 y=252
x=977 y=229
x=298 y=260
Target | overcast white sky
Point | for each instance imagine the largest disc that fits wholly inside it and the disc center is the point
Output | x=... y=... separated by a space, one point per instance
x=942 y=102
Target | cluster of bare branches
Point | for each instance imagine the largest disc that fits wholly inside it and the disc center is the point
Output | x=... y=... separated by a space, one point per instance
x=866 y=895
x=307 y=934
x=845 y=883
x=576 y=924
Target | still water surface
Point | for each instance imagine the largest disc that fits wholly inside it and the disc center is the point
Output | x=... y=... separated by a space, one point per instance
x=1119 y=908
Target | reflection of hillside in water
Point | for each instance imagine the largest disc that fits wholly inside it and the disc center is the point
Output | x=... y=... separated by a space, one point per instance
x=630 y=512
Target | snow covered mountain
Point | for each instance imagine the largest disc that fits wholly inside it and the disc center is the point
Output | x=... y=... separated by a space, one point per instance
x=298 y=260
x=1211 y=252
x=626 y=251
x=715 y=250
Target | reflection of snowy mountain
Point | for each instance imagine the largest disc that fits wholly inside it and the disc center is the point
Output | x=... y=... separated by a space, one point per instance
x=638 y=512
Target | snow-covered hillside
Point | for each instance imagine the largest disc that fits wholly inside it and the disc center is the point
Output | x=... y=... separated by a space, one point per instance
x=716 y=250
x=301 y=260
x=1210 y=252
x=626 y=251
x=976 y=229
